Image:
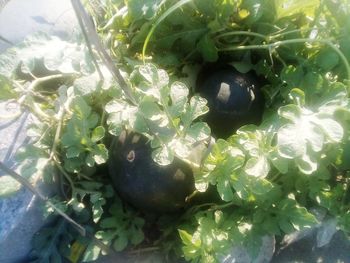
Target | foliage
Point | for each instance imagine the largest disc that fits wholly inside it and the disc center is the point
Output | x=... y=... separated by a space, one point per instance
x=269 y=178
x=122 y=227
x=163 y=112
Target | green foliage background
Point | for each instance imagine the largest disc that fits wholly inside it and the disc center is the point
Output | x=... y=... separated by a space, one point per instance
x=269 y=178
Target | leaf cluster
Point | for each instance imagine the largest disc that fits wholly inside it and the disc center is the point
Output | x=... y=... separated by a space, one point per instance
x=269 y=178
x=164 y=114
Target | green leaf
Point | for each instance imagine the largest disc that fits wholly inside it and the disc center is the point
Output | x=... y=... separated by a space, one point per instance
x=168 y=11
x=92 y=253
x=241 y=185
x=301 y=218
x=143 y=9
x=224 y=189
x=312 y=82
x=87 y=85
x=74 y=165
x=201 y=184
x=76 y=205
x=92 y=120
x=261 y=186
x=48 y=52
x=290 y=112
x=150 y=109
x=178 y=95
x=163 y=156
x=243 y=67
x=157 y=77
x=178 y=92
x=180 y=147
x=29 y=152
x=306 y=164
x=298 y=96
x=115 y=106
x=289 y=140
x=292 y=139
x=327 y=59
x=137 y=236
x=100 y=154
x=292 y=75
x=109 y=222
x=120 y=113
x=199 y=131
x=292 y=7
x=36 y=165
x=332 y=129
x=255 y=10
x=81 y=108
x=293 y=216
x=89 y=160
x=9 y=186
x=279 y=162
x=286 y=226
x=185 y=237
x=208 y=49
x=97 y=134
x=71 y=135
x=98 y=201
x=7 y=92
x=107 y=235
x=219 y=217
x=121 y=242
x=73 y=152
x=257 y=167
x=197 y=107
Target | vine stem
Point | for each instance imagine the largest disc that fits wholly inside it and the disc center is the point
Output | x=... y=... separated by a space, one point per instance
x=58 y=132
x=92 y=38
x=216 y=207
x=66 y=175
x=275 y=177
x=34 y=107
x=166 y=110
x=88 y=43
x=294 y=41
x=347 y=186
x=143 y=250
x=277 y=35
x=38 y=81
x=188 y=198
x=240 y=33
x=158 y=21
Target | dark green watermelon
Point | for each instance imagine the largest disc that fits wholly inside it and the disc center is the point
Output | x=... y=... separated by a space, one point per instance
x=143 y=183
x=234 y=99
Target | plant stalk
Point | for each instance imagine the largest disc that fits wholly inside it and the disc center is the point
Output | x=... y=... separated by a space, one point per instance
x=295 y=41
